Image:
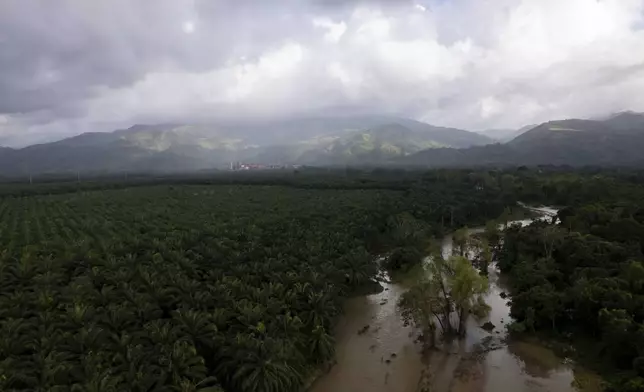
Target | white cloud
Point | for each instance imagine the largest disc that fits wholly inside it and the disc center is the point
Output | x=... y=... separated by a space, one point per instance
x=335 y=31
x=188 y=27
x=505 y=63
x=490 y=106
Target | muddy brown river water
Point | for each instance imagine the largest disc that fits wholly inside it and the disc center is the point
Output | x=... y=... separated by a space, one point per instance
x=387 y=357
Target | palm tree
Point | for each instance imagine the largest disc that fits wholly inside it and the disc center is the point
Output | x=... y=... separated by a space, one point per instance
x=15 y=336
x=52 y=369
x=99 y=381
x=117 y=317
x=321 y=345
x=320 y=310
x=201 y=386
x=266 y=375
x=253 y=365
x=134 y=364
x=163 y=332
x=197 y=325
x=181 y=361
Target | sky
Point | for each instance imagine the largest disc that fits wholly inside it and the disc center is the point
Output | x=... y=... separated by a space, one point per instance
x=73 y=66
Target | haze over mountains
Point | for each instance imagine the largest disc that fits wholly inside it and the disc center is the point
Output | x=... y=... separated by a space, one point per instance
x=358 y=140
x=202 y=68
x=503 y=135
x=185 y=147
x=615 y=141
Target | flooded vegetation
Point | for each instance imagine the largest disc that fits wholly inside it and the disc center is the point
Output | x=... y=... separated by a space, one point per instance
x=252 y=283
x=377 y=352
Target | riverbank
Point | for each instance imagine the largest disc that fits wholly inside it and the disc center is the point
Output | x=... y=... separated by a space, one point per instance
x=589 y=366
x=376 y=352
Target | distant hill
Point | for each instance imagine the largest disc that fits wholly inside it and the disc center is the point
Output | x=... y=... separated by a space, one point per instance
x=505 y=135
x=186 y=147
x=365 y=140
x=376 y=145
x=140 y=148
x=500 y=134
x=625 y=121
x=617 y=140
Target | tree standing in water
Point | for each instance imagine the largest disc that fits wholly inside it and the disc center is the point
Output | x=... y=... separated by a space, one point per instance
x=461 y=242
x=445 y=286
x=467 y=288
x=485 y=257
x=506 y=217
x=492 y=234
x=421 y=306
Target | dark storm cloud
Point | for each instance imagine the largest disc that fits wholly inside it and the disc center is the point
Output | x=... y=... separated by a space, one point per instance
x=69 y=66
x=53 y=52
x=59 y=51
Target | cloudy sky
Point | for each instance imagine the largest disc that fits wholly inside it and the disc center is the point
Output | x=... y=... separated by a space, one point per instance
x=72 y=66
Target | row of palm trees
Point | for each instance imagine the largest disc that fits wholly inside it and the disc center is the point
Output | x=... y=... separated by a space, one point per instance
x=186 y=288
x=162 y=290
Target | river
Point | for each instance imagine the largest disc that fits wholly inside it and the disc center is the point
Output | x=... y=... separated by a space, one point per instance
x=386 y=357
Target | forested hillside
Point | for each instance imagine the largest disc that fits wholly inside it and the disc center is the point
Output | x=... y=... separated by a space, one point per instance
x=190 y=147
x=615 y=141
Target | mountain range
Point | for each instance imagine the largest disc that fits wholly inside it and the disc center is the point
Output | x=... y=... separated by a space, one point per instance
x=503 y=135
x=359 y=140
x=615 y=141
x=187 y=147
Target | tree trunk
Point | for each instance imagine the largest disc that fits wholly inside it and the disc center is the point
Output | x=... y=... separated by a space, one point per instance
x=447 y=310
x=440 y=321
x=448 y=322
x=484 y=268
x=431 y=337
x=461 y=322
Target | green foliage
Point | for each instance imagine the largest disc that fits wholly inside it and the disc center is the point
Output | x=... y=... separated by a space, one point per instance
x=516 y=327
x=444 y=287
x=180 y=287
x=422 y=306
x=467 y=288
x=172 y=148
x=167 y=286
x=406 y=231
x=461 y=242
x=402 y=259
x=583 y=277
x=408 y=237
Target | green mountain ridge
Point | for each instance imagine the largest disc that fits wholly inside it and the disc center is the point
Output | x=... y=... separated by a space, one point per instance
x=187 y=147
x=616 y=141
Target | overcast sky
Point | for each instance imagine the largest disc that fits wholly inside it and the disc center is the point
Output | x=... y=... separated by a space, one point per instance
x=72 y=66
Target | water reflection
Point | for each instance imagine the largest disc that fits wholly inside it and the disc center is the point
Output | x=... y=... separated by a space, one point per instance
x=386 y=356
x=383 y=358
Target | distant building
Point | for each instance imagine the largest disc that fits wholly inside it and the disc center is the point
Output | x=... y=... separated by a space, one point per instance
x=235 y=166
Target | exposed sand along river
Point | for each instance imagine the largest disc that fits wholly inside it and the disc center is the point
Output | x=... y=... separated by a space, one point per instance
x=386 y=357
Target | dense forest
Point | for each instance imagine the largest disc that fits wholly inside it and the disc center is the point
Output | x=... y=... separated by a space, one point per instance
x=580 y=277
x=200 y=284
x=234 y=282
